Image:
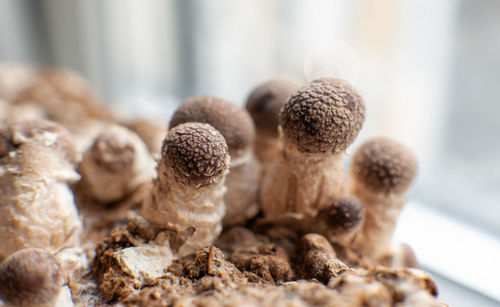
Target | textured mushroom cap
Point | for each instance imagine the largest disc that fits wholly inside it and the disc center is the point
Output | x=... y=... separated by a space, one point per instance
x=30 y=276
x=344 y=214
x=384 y=165
x=233 y=122
x=43 y=132
x=266 y=100
x=324 y=116
x=197 y=152
x=112 y=151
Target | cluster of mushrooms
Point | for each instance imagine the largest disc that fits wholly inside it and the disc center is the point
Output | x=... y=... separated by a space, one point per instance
x=228 y=206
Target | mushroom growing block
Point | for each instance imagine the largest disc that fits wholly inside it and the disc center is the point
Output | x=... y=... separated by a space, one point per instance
x=381 y=173
x=37 y=160
x=264 y=104
x=188 y=194
x=317 y=124
x=32 y=277
x=236 y=125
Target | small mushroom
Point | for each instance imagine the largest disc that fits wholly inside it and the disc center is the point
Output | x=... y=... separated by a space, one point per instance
x=317 y=124
x=381 y=173
x=37 y=161
x=33 y=277
x=236 y=125
x=115 y=166
x=340 y=221
x=264 y=104
x=188 y=194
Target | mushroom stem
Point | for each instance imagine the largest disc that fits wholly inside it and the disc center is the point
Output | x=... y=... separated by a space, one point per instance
x=307 y=182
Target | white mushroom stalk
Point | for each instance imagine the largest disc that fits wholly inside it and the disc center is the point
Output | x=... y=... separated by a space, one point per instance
x=187 y=197
x=37 y=209
x=381 y=173
x=317 y=124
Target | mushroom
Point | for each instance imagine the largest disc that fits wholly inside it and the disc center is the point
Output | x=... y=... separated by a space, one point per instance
x=236 y=125
x=317 y=124
x=33 y=277
x=264 y=104
x=340 y=221
x=381 y=173
x=188 y=194
x=37 y=209
x=115 y=166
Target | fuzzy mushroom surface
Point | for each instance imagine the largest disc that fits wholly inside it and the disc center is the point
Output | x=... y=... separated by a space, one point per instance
x=32 y=277
x=317 y=124
x=188 y=194
x=381 y=173
x=37 y=209
x=236 y=125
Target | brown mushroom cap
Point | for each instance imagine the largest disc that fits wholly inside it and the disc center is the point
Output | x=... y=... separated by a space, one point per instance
x=384 y=165
x=266 y=100
x=35 y=131
x=324 y=116
x=30 y=276
x=344 y=214
x=233 y=122
x=197 y=152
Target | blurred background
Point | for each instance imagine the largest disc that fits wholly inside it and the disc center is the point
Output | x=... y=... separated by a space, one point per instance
x=429 y=72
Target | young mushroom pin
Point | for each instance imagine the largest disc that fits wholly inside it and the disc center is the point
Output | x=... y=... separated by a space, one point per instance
x=381 y=173
x=317 y=124
x=115 y=166
x=236 y=125
x=264 y=104
x=37 y=161
x=188 y=193
x=32 y=277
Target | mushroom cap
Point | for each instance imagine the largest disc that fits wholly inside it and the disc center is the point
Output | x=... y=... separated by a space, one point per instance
x=324 y=116
x=344 y=214
x=31 y=276
x=42 y=132
x=113 y=150
x=197 y=152
x=384 y=165
x=233 y=122
x=266 y=100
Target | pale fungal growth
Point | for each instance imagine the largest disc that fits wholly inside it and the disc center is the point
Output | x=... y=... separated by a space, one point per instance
x=115 y=166
x=340 y=221
x=188 y=194
x=264 y=104
x=317 y=124
x=236 y=125
x=37 y=209
x=381 y=173
x=33 y=277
